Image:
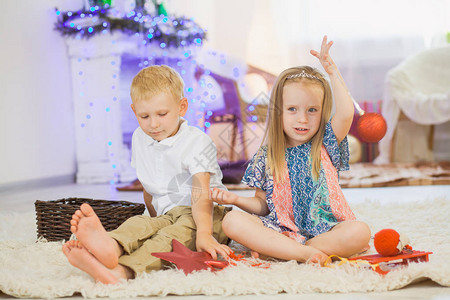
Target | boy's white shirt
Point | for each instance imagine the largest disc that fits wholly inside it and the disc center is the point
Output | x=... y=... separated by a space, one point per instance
x=165 y=168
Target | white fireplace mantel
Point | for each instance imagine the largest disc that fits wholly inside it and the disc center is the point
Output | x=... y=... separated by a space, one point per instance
x=95 y=67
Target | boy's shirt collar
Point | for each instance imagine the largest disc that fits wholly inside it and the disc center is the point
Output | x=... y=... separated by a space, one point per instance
x=170 y=140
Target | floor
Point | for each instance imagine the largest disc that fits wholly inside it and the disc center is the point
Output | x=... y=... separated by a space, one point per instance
x=22 y=201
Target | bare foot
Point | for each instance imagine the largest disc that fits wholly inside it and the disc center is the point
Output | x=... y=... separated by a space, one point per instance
x=82 y=259
x=88 y=229
x=366 y=248
x=258 y=255
x=317 y=257
x=254 y=254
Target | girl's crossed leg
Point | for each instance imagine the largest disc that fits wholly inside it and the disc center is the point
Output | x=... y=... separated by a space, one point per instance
x=249 y=231
x=345 y=239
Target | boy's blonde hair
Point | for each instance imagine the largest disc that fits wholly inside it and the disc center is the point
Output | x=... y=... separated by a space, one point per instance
x=154 y=80
x=274 y=136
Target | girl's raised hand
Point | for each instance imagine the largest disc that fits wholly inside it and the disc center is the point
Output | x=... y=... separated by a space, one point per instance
x=324 y=56
x=223 y=197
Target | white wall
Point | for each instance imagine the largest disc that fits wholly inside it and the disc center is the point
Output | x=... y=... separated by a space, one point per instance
x=227 y=22
x=36 y=114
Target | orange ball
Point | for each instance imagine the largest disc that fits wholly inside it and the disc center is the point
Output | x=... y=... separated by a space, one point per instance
x=386 y=242
x=371 y=127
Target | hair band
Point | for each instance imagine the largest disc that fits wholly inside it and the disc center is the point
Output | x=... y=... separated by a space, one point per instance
x=303 y=74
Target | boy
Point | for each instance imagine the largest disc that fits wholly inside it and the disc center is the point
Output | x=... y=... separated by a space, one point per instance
x=176 y=164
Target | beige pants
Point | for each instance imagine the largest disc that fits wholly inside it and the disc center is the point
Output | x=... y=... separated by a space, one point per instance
x=141 y=235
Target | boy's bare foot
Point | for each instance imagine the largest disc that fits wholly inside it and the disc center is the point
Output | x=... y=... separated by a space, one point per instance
x=88 y=229
x=82 y=259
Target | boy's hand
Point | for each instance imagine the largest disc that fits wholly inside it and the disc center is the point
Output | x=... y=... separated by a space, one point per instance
x=206 y=242
x=223 y=197
x=324 y=56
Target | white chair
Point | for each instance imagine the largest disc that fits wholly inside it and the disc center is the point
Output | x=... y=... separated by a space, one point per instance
x=417 y=97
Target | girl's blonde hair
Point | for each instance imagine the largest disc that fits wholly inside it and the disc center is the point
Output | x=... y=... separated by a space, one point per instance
x=154 y=80
x=274 y=136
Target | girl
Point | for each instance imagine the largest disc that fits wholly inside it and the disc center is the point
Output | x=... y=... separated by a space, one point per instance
x=298 y=211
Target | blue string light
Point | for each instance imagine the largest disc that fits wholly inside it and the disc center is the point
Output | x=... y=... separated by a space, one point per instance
x=166 y=31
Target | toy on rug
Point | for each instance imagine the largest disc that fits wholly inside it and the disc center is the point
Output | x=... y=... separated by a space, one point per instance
x=389 y=242
x=371 y=126
x=393 y=251
x=184 y=258
x=189 y=261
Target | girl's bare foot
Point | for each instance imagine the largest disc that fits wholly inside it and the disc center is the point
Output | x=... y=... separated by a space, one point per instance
x=82 y=259
x=317 y=257
x=88 y=229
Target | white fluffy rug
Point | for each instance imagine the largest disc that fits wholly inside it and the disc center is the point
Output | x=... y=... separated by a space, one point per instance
x=39 y=269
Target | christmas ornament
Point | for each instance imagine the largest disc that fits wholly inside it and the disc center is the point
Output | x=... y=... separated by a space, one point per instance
x=355 y=149
x=371 y=126
x=389 y=242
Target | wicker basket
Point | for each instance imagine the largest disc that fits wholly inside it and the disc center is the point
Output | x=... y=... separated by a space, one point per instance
x=53 y=217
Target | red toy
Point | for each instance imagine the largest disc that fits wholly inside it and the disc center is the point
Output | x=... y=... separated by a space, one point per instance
x=371 y=127
x=190 y=261
x=185 y=259
x=389 y=242
x=393 y=250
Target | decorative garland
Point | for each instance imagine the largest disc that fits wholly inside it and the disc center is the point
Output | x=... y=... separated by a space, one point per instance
x=83 y=23
x=164 y=30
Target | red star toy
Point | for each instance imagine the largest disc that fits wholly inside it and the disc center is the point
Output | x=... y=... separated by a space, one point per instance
x=188 y=260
